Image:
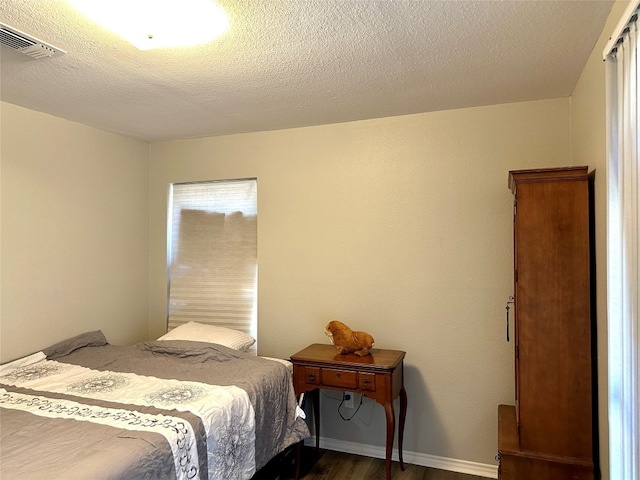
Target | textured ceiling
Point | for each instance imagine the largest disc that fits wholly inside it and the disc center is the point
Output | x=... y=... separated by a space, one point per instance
x=290 y=63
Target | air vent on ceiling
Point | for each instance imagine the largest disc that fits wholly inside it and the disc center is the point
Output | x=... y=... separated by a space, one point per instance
x=21 y=42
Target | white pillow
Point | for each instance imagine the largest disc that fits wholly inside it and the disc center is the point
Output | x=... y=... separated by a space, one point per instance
x=199 y=332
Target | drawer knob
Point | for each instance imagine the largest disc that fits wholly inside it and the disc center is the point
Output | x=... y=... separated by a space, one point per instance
x=339 y=375
x=312 y=376
x=367 y=381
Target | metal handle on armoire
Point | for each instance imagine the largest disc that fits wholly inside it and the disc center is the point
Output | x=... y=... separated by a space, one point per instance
x=510 y=301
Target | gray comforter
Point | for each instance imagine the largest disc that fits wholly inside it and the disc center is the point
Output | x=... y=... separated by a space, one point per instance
x=37 y=447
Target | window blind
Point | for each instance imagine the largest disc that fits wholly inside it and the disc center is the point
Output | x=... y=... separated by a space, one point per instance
x=212 y=254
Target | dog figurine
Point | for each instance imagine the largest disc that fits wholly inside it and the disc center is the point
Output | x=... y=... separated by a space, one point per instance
x=348 y=341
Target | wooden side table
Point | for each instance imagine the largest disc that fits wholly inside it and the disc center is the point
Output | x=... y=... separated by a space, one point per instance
x=379 y=376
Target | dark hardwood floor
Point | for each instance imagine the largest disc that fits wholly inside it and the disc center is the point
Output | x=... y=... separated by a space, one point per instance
x=330 y=465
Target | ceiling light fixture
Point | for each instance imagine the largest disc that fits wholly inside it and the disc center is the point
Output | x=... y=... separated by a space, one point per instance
x=149 y=24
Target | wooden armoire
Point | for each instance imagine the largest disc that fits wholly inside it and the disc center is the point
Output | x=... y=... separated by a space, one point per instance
x=549 y=433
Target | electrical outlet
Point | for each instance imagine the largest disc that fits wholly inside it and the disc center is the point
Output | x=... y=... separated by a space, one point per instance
x=348 y=399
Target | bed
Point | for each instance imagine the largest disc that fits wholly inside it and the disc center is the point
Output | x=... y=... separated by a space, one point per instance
x=161 y=409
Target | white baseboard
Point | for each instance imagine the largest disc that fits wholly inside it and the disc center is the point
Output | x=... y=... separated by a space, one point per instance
x=415 y=458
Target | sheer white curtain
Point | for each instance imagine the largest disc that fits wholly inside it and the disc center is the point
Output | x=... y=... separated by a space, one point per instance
x=623 y=284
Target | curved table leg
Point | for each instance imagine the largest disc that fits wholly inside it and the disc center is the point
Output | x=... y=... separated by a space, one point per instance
x=403 y=416
x=298 y=459
x=391 y=427
x=315 y=396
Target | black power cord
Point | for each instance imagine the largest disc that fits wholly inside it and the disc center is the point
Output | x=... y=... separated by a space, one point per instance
x=346 y=419
x=341 y=400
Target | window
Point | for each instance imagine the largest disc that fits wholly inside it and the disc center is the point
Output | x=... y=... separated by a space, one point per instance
x=212 y=254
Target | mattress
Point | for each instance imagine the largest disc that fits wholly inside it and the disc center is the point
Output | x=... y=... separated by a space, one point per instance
x=163 y=409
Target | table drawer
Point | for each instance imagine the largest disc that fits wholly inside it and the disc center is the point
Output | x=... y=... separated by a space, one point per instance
x=312 y=375
x=367 y=381
x=339 y=378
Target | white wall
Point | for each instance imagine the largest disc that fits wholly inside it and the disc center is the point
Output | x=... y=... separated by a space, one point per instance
x=588 y=145
x=399 y=226
x=75 y=236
